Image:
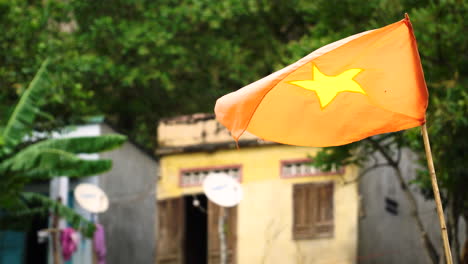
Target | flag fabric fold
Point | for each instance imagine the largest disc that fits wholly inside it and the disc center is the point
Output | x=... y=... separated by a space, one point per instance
x=363 y=85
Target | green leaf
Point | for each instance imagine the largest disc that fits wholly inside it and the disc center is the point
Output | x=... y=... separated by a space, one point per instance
x=25 y=112
x=82 y=144
x=42 y=163
x=72 y=217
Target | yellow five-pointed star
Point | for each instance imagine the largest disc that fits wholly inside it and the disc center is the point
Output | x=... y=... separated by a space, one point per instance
x=328 y=87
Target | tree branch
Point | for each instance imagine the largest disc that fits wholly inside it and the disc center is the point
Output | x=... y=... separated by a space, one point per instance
x=364 y=172
x=427 y=243
x=382 y=151
x=399 y=154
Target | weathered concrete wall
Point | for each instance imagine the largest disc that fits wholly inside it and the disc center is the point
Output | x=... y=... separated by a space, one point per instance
x=386 y=238
x=193 y=130
x=129 y=222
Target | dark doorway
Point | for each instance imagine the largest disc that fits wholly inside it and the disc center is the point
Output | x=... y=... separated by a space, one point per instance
x=36 y=253
x=195 y=245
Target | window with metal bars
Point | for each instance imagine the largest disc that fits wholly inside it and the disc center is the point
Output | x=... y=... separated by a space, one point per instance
x=302 y=168
x=195 y=176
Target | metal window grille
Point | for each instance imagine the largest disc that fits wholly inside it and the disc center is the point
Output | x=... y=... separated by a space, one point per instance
x=195 y=177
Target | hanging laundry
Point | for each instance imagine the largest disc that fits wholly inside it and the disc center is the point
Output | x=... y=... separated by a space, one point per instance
x=69 y=242
x=100 y=244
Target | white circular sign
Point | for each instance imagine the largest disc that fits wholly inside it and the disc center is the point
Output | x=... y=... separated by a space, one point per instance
x=91 y=198
x=222 y=189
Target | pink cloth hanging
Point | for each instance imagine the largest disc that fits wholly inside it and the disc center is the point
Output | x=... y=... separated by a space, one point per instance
x=100 y=244
x=68 y=241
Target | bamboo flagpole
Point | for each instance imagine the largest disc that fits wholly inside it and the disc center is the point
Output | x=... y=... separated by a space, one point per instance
x=435 y=188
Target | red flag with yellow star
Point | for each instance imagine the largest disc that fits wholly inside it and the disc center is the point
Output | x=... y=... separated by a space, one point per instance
x=363 y=85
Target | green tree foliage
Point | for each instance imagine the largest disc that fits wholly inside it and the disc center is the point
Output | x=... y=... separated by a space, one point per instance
x=169 y=58
x=24 y=159
x=139 y=60
x=32 y=31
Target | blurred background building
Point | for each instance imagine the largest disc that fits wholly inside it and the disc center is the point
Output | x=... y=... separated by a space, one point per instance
x=130 y=187
x=291 y=212
x=128 y=223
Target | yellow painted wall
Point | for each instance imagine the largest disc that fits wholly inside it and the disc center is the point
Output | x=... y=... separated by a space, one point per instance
x=265 y=214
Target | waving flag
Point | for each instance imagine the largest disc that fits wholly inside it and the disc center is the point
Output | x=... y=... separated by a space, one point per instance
x=363 y=85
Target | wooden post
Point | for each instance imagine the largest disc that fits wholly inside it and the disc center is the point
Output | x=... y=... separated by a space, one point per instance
x=55 y=237
x=435 y=188
x=222 y=235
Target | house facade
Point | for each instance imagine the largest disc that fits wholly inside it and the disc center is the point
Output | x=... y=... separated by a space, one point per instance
x=130 y=187
x=290 y=213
